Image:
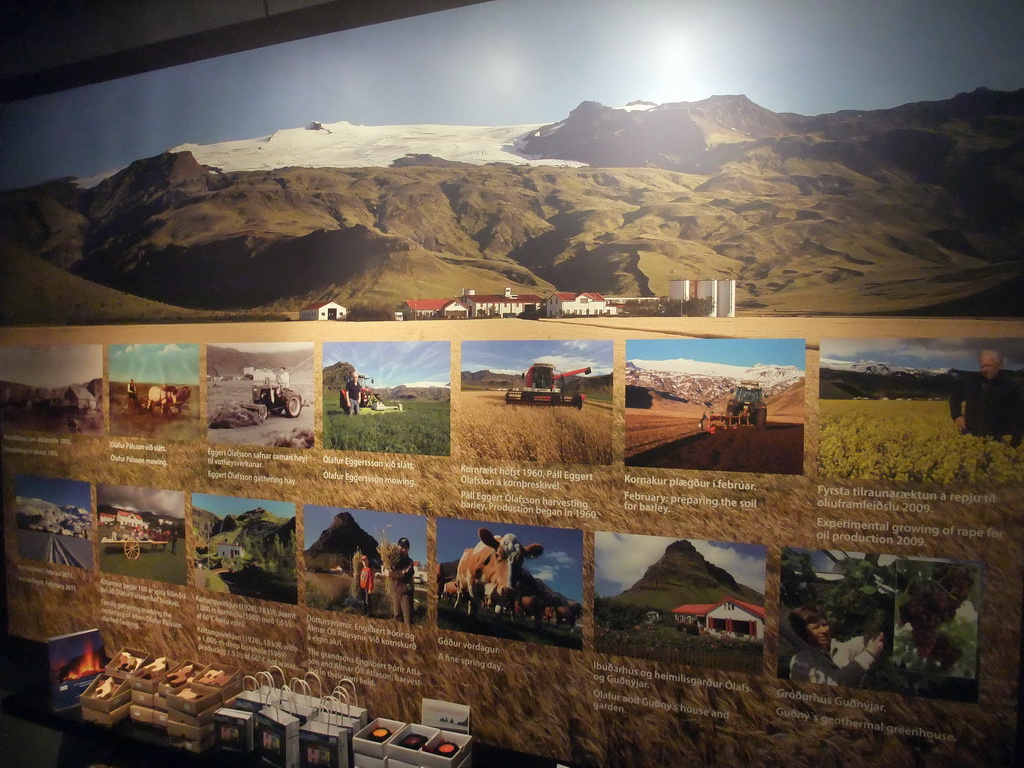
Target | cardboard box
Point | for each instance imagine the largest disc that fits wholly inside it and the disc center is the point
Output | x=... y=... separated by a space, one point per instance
x=142 y=698
x=107 y=718
x=190 y=732
x=188 y=718
x=192 y=699
x=120 y=694
x=364 y=744
x=192 y=745
x=178 y=677
x=225 y=680
x=126 y=661
x=149 y=676
x=141 y=714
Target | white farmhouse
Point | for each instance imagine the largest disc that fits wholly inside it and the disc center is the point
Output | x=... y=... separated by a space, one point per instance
x=509 y=305
x=230 y=551
x=131 y=520
x=578 y=304
x=327 y=310
x=430 y=309
x=726 y=617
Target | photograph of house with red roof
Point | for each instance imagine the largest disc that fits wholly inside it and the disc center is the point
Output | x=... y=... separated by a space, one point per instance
x=681 y=601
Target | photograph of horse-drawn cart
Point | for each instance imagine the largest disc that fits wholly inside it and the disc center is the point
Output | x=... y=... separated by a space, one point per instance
x=154 y=391
x=141 y=532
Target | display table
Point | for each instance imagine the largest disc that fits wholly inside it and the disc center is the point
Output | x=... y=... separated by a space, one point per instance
x=139 y=743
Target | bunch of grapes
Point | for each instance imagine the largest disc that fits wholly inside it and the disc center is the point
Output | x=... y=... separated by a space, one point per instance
x=930 y=606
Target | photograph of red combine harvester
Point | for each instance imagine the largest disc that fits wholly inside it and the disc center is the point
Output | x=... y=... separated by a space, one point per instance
x=734 y=405
x=545 y=401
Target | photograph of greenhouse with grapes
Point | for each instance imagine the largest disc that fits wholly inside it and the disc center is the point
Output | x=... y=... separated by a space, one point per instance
x=903 y=624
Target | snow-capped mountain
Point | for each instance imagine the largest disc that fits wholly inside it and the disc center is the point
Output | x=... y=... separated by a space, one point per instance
x=40 y=515
x=707 y=383
x=880 y=368
x=344 y=145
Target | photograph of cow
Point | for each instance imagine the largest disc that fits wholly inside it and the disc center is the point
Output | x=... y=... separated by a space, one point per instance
x=517 y=582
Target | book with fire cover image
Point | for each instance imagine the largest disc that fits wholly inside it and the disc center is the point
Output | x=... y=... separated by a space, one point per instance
x=75 y=661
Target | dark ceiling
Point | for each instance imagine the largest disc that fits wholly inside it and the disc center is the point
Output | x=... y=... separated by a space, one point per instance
x=51 y=45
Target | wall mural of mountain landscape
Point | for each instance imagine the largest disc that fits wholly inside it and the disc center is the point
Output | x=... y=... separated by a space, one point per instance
x=917 y=209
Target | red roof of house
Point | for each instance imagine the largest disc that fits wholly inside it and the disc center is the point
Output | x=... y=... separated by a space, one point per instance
x=563 y=296
x=694 y=609
x=427 y=305
x=316 y=306
x=522 y=298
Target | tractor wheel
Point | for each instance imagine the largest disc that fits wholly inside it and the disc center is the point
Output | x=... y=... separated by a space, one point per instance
x=761 y=419
x=292 y=406
x=577 y=401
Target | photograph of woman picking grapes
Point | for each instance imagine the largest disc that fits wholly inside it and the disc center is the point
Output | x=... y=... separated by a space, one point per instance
x=903 y=624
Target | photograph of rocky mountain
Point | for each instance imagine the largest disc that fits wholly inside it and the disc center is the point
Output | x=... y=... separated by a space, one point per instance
x=684 y=601
x=617 y=180
x=947 y=410
x=54 y=520
x=731 y=405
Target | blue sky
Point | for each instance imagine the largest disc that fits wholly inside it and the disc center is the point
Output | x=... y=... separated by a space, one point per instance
x=316 y=519
x=560 y=567
x=222 y=506
x=961 y=354
x=517 y=356
x=621 y=559
x=745 y=352
x=157 y=363
x=529 y=61
x=55 y=490
x=390 y=363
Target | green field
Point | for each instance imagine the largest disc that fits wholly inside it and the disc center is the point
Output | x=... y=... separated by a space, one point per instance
x=154 y=564
x=908 y=440
x=422 y=427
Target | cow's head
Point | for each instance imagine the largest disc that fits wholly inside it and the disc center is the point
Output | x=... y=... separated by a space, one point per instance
x=502 y=570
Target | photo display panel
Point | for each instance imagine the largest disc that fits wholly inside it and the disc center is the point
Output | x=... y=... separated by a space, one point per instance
x=644 y=429
x=676 y=577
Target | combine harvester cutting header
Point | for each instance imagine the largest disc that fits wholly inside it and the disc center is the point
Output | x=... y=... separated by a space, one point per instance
x=544 y=387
